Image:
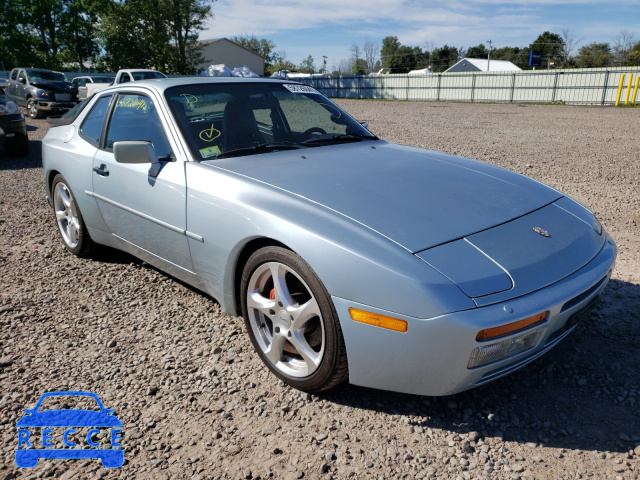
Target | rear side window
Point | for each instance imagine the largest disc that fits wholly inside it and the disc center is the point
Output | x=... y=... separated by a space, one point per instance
x=14 y=74
x=91 y=127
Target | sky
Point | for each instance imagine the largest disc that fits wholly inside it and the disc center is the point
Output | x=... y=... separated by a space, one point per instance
x=330 y=27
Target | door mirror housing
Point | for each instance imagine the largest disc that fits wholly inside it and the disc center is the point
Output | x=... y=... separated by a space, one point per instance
x=137 y=151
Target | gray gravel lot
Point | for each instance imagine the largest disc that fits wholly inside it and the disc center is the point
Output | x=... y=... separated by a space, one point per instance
x=197 y=403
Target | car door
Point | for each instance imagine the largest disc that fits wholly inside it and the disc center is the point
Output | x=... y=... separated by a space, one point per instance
x=21 y=85
x=11 y=87
x=145 y=210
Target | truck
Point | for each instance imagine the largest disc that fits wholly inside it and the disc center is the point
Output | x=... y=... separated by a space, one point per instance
x=133 y=74
x=41 y=91
x=88 y=85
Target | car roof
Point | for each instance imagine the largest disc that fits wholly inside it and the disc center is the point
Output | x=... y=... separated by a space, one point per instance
x=162 y=84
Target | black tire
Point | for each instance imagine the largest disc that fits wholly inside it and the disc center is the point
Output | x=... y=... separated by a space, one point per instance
x=18 y=146
x=32 y=110
x=69 y=219
x=297 y=313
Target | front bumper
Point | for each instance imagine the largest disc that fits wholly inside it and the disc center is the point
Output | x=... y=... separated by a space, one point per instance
x=12 y=124
x=432 y=357
x=49 y=106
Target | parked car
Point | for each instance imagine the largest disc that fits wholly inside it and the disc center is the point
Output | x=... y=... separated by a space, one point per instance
x=13 y=129
x=42 y=92
x=135 y=74
x=348 y=256
x=88 y=85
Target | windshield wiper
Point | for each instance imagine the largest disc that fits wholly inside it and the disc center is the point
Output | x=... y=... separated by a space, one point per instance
x=338 y=138
x=263 y=147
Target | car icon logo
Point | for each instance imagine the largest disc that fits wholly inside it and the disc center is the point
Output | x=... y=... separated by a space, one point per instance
x=28 y=452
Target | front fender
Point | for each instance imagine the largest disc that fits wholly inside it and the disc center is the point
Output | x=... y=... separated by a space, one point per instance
x=228 y=210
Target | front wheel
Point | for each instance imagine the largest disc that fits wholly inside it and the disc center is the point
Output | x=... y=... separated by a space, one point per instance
x=69 y=219
x=291 y=320
x=32 y=109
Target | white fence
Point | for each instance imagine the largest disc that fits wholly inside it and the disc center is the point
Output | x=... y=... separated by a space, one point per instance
x=575 y=86
x=584 y=86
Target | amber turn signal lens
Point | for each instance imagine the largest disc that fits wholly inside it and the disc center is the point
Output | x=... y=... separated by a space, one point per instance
x=377 y=320
x=510 y=328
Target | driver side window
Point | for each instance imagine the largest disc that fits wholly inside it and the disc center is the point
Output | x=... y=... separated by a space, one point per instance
x=135 y=118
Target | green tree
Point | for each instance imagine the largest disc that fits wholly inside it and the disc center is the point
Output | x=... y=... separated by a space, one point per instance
x=307 y=65
x=187 y=20
x=18 y=43
x=160 y=34
x=517 y=56
x=389 y=51
x=400 y=58
x=280 y=62
x=359 y=67
x=633 y=58
x=443 y=58
x=262 y=47
x=30 y=32
x=594 y=55
x=78 y=37
x=479 y=51
x=551 y=45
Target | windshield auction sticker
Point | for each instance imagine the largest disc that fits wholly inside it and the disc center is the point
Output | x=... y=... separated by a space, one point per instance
x=301 y=89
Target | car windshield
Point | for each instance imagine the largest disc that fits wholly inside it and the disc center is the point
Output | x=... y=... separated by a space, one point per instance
x=147 y=75
x=46 y=75
x=231 y=119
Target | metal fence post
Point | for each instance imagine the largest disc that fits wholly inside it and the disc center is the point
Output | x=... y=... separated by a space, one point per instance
x=605 y=88
x=406 y=93
x=513 y=87
x=473 y=86
x=439 y=80
x=555 y=87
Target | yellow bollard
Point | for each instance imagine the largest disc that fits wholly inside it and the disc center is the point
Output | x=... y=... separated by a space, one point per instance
x=635 y=90
x=620 y=89
x=626 y=101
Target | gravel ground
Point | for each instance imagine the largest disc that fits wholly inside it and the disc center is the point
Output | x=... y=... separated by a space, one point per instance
x=197 y=403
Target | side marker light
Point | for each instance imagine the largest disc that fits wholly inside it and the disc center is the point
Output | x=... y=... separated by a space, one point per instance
x=377 y=320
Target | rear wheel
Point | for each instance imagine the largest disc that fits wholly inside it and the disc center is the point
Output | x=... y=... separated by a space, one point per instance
x=291 y=320
x=69 y=219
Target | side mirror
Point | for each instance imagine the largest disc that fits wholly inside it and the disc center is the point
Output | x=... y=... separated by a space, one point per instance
x=137 y=151
x=22 y=80
x=365 y=125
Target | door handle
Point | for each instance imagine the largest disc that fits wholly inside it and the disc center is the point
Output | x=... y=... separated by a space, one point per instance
x=101 y=170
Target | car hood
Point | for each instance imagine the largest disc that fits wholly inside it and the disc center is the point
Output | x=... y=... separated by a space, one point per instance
x=417 y=198
x=53 y=85
x=69 y=418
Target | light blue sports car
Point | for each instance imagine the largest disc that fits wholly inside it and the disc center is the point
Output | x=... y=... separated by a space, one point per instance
x=349 y=257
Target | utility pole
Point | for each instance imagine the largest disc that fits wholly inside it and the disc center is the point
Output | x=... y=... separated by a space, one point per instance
x=489 y=57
